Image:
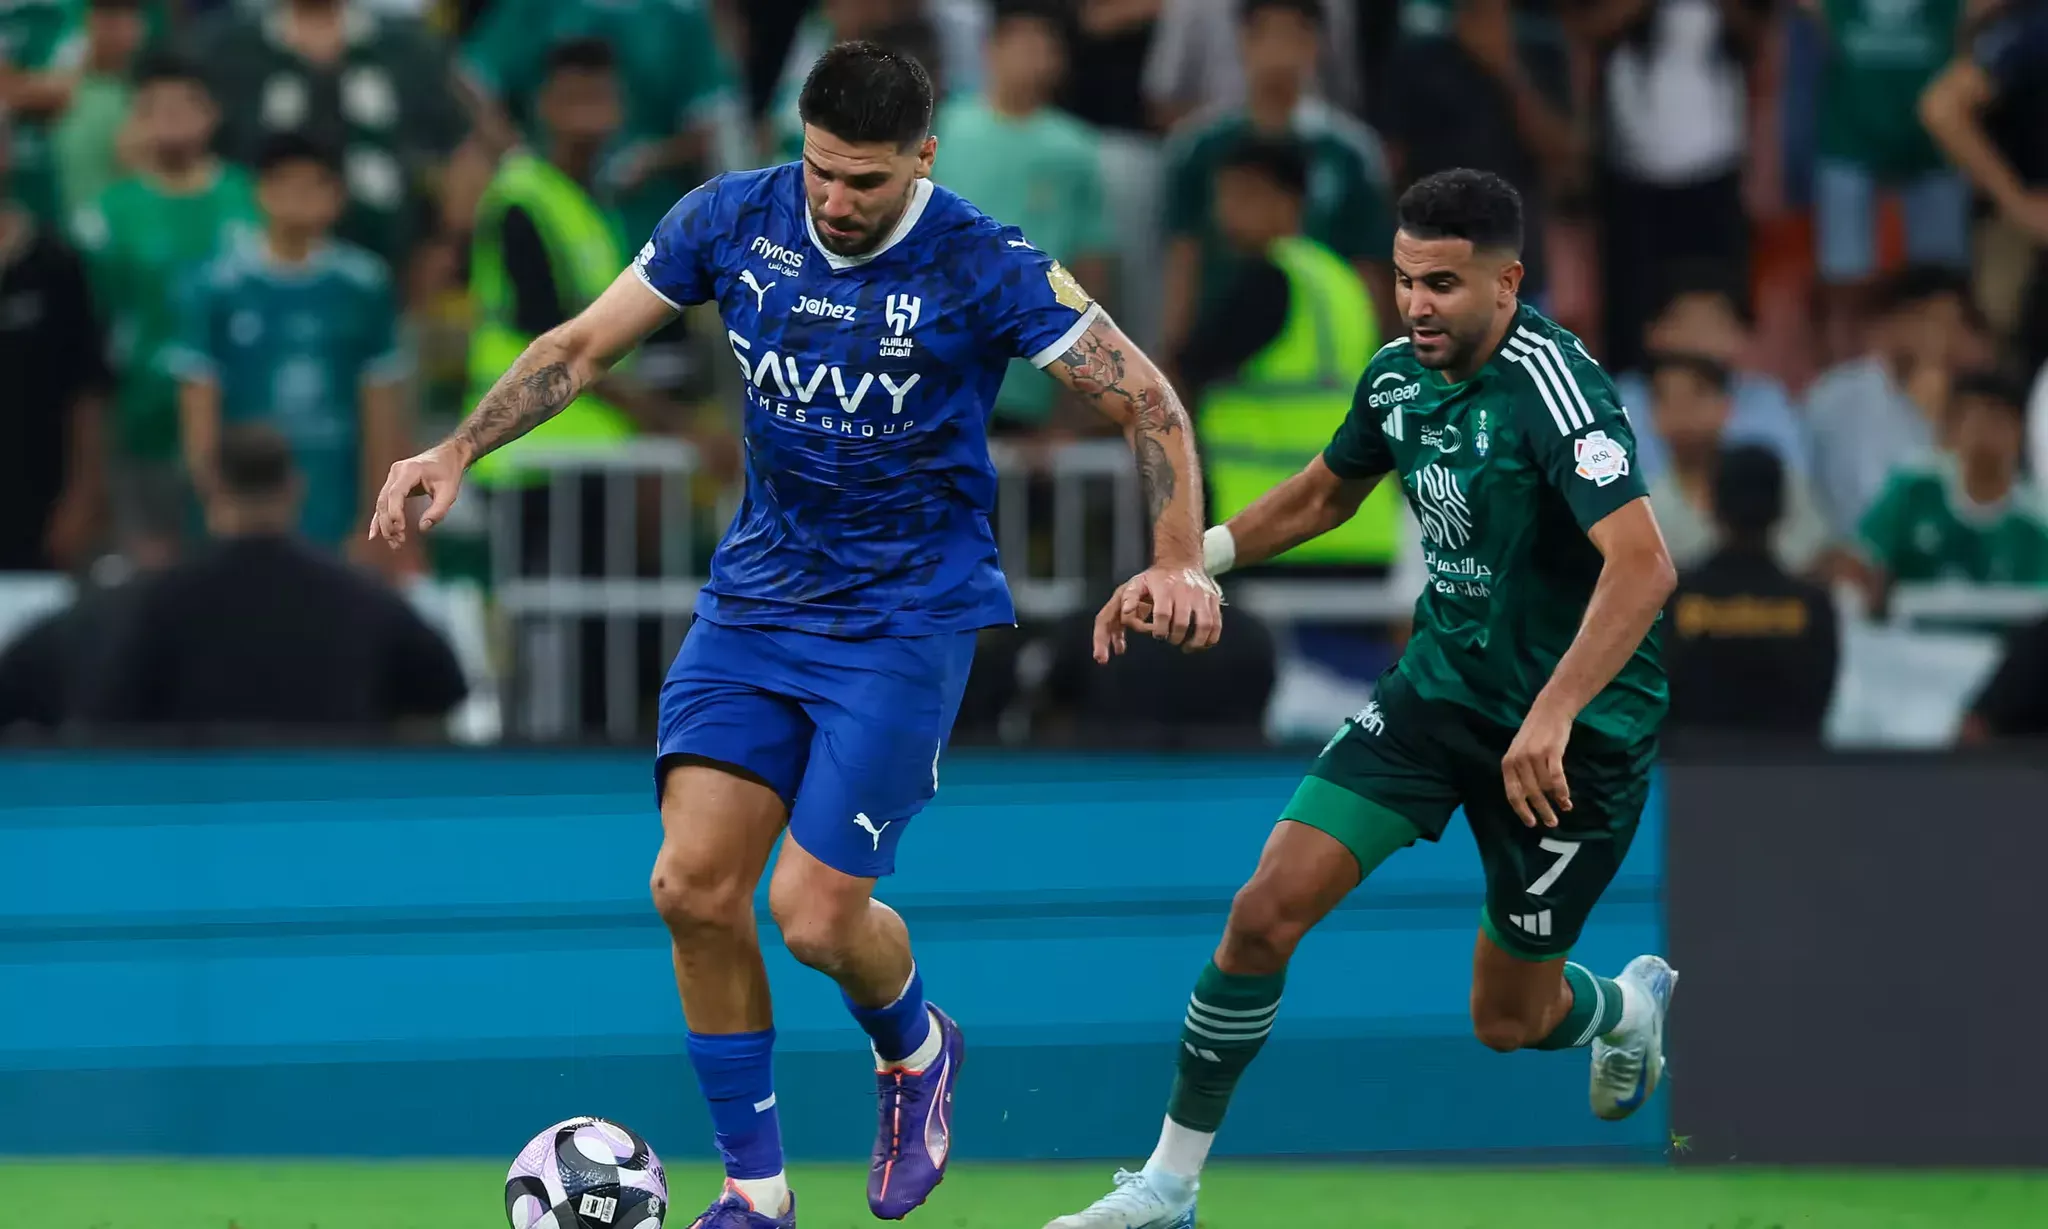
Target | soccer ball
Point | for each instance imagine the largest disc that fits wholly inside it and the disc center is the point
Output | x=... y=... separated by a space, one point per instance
x=586 y=1173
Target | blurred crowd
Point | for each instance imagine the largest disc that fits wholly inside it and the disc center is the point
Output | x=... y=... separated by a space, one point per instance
x=1810 y=237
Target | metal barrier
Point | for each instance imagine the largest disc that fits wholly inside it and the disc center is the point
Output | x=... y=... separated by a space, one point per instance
x=1068 y=523
x=549 y=605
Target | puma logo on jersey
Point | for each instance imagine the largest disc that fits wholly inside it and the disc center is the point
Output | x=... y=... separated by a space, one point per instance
x=760 y=292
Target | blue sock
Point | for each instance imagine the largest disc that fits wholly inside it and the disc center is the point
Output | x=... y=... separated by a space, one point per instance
x=898 y=1029
x=737 y=1073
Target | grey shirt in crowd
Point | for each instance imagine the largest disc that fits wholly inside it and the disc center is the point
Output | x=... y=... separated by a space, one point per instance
x=1863 y=426
x=1691 y=535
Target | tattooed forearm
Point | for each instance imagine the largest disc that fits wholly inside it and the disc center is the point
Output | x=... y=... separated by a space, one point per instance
x=1155 y=477
x=535 y=389
x=1099 y=367
x=1104 y=367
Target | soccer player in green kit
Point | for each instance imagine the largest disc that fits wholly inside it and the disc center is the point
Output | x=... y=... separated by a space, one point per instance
x=1530 y=693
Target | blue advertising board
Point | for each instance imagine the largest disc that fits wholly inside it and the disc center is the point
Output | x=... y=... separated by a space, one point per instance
x=435 y=953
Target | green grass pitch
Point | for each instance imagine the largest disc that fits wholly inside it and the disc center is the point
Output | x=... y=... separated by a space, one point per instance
x=466 y=1195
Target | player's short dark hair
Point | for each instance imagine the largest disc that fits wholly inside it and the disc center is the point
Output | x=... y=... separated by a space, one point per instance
x=862 y=92
x=1312 y=10
x=283 y=149
x=1280 y=160
x=1477 y=206
x=581 y=55
x=1996 y=386
x=165 y=67
x=1749 y=490
x=255 y=461
x=1711 y=371
x=1918 y=284
x=1699 y=278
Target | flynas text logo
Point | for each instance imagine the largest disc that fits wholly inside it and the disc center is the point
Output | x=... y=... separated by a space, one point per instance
x=787 y=261
x=825 y=396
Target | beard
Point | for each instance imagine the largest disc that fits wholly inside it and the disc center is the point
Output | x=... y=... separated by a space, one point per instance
x=868 y=238
x=1453 y=348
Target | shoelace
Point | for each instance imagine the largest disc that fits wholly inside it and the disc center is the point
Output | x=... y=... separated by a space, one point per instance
x=895 y=1095
x=1621 y=1066
x=1131 y=1194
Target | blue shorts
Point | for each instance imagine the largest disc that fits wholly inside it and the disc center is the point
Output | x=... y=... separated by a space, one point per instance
x=847 y=732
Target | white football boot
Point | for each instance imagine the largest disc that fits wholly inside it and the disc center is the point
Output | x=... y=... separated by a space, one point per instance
x=1628 y=1065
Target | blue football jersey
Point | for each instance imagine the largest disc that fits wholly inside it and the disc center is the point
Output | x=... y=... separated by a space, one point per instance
x=868 y=386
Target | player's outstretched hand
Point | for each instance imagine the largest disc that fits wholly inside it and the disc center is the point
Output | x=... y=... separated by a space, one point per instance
x=437 y=471
x=1533 y=771
x=1182 y=606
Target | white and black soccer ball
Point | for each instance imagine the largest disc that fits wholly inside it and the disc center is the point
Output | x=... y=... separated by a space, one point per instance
x=586 y=1173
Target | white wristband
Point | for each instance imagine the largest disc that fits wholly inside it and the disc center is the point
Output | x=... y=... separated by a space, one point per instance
x=1219 y=550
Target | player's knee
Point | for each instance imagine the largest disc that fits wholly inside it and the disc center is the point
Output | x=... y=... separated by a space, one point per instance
x=818 y=929
x=696 y=897
x=1265 y=927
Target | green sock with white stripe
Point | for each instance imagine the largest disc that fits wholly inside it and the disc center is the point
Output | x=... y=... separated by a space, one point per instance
x=1227 y=1022
x=1596 y=1009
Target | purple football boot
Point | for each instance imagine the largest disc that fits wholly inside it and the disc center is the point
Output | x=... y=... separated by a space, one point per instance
x=916 y=1135
x=733 y=1211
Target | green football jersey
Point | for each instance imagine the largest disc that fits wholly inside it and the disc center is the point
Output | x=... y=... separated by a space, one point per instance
x=1505 y=472
x=388 y=105
x=1880 y=54
x=293 y=346
x=1923 y=528
x=38 y=36
x=140 y=242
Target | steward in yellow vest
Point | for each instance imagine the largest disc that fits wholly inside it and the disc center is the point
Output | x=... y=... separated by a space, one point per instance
x=1277 y=361
x=543 y=251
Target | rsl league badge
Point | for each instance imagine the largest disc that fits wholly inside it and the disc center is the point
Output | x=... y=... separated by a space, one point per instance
x=1601 y=460
x=1066 y=289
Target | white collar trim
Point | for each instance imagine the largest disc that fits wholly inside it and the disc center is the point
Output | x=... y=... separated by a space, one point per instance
x=920 y=196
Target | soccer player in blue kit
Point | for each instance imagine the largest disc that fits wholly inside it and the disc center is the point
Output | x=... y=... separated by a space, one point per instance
x=874 y=315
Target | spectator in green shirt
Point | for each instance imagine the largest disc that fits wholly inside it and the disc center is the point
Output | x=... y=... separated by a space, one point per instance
x=139 y=239
x=1880 y=55
x=379 y=88
x=1969 y=515
x=1348 y=210
x=38 y=51
x=299 y=331
x=1024 y=163
x=86 y=142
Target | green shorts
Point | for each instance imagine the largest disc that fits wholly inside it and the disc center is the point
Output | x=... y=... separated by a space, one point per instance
x=1399 y=769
